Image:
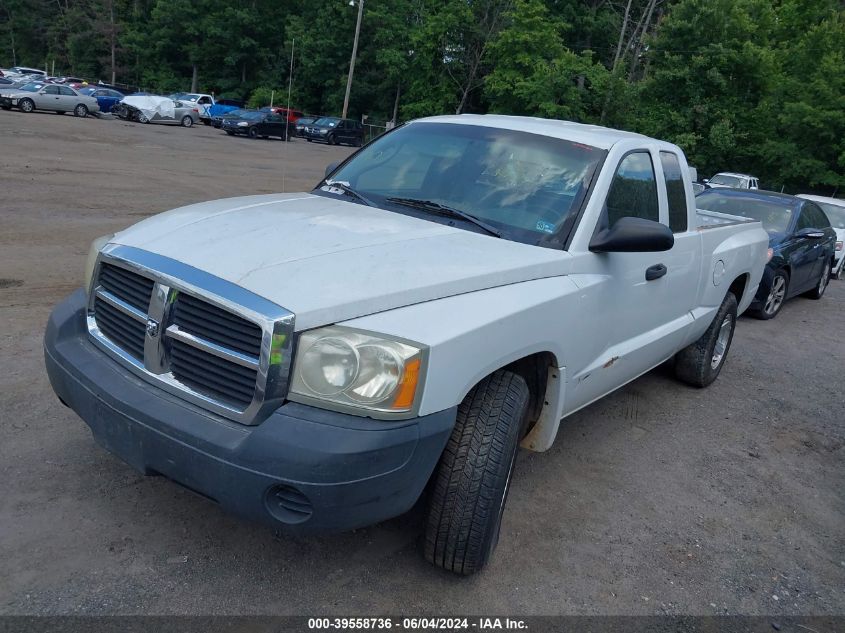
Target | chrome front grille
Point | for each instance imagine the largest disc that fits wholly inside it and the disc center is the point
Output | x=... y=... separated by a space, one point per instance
x=121 y=301
x=193 y=334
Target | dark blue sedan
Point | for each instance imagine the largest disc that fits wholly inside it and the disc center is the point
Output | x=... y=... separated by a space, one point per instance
x=106 y=97
x=801 y=243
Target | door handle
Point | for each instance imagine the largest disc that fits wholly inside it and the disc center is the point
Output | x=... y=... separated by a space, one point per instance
x=655 y=272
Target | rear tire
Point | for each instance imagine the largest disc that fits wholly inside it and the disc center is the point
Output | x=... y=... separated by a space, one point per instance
x=699 y=364
x=824 y=279
x=26 y=105
x=187 y=121
x=471 y=482
x=81 y=111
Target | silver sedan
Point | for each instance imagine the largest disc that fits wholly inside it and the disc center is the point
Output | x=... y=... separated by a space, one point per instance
x=40 y=96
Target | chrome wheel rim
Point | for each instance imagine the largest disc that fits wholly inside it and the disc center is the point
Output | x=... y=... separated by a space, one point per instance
x=26 y=106
x=722 y=340
x=776 y=295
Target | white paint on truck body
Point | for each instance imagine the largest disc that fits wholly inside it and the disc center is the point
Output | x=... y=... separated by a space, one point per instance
x=478 y=302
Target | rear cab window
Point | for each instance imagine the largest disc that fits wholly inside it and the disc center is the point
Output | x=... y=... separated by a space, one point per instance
x=676 y=195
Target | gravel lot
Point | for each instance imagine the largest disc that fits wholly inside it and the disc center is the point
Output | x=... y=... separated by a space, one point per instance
x=658 y=499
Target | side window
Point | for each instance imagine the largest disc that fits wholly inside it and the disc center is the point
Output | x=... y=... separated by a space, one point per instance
x=67 y=91
x=805 y=221
x=633 y=192
x=817 y=216
x=51 y=90
x=675 y=192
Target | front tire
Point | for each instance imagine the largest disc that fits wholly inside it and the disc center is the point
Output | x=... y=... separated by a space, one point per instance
x=331 y=140
x=471 y=482
x=699 y=364
x=775 y=298
x=187 y=121
x=252 y=133
x=824 y=279
x=27 y=105
x=81 y=111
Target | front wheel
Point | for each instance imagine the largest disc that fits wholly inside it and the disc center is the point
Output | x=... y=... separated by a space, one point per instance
x=27 y=105
x=81 y=110
x=471 y=482
x=699 y=364
x=331 y=140
x=824 y=279
x=775 y=298
x=253 y=133
x=187 y=121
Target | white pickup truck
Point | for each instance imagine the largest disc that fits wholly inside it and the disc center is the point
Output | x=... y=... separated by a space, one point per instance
x=452 y=290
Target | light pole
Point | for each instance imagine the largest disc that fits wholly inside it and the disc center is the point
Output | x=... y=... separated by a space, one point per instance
x=354 y=53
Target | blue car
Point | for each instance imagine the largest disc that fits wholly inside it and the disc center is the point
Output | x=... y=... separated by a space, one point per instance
x=106 y=97
x=801 y=243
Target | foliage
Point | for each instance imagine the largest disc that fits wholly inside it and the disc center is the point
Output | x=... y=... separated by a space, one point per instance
x=741 y=85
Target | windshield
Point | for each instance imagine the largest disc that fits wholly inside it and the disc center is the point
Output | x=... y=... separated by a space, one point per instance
x=834 y=213
x=32 y=87
x=728 y=181
x=524 y=185
x=327 y=121
x=774 y=215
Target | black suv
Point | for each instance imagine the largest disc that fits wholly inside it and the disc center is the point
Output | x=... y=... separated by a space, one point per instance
x=334 y=131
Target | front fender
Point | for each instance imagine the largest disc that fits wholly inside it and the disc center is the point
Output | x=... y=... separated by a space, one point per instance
x=474 y=334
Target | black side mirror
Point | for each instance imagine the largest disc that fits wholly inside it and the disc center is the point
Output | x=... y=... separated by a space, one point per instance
x=331 y=167
x=813 y=234
x=633 y=235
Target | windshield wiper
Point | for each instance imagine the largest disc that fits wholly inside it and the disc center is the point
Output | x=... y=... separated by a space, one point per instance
x=442 y=209
x=346 y=188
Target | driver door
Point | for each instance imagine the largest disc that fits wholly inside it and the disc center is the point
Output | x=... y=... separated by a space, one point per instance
x=625 y=296
x=48 y=98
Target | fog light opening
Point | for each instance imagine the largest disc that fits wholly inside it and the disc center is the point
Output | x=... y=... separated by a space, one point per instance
x=287 y=504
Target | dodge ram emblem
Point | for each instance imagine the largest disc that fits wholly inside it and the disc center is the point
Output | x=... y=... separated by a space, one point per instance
x=152 y=328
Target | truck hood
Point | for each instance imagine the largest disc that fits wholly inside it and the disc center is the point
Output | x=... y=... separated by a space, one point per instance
x=329 y=260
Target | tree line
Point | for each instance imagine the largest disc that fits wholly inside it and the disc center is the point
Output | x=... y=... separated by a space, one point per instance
x=740 y=85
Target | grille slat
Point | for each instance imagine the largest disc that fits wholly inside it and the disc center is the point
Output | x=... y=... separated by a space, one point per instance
x=217 y=334
x=131 y=287
x=217 y=325
x=244 y=375
x=209 y=374
x=123 y=331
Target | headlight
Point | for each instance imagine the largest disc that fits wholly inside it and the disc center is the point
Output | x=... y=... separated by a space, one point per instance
x=357 y=369
x=93 y=251
x=242 y=123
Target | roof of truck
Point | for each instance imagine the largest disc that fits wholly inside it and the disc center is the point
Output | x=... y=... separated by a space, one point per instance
x=595 y=135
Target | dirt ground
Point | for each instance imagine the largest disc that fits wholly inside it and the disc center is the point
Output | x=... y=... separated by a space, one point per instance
x=658 y=499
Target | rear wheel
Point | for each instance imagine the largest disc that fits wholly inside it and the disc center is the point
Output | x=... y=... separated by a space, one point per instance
x=187 y=121
x=26 y=105
x=824 y=279
x=471 y=482
x=699 y=364
x=775 y=298
x=81 y=110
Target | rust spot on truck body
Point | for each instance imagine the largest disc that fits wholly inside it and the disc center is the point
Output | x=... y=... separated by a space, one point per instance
x=610 y=362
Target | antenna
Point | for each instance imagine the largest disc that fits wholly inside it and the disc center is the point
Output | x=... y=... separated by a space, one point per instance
x=287 y=121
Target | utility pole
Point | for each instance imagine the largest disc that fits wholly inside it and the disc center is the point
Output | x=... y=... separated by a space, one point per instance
x=354 y=53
